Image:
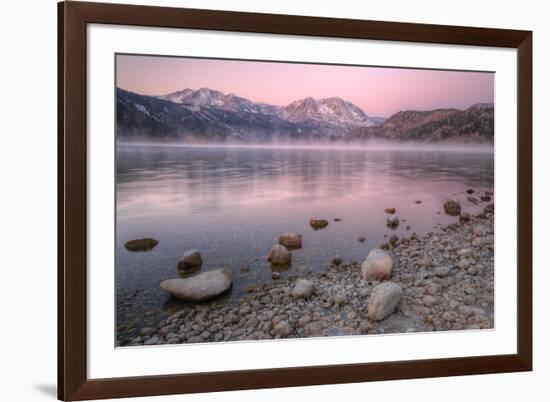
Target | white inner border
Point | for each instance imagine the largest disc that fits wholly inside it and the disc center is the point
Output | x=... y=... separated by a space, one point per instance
x=104 y=360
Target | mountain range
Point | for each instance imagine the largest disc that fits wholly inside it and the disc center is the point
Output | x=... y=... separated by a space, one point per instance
x=207 y=115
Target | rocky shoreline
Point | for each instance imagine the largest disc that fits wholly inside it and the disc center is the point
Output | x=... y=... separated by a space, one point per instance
x=445 y=281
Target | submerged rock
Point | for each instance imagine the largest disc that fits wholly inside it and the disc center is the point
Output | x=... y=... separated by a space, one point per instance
x=303 y=289
x=470 y=191
x=377 y=266
x=384 y=300
x=291 y=239
x=317 y=223
x=141 y=244
x=464 y=217
x=337 y=219
x=489 y=209
x=279 y=255
x=201 y=287
x=392 y=222
x=485 y=198
x=473 y=200
x=361 y=240
x=452 y=207
x=190 y=261
x=389 y=210
x=393 y=240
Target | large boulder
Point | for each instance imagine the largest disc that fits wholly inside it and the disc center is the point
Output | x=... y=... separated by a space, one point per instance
x=303 y=289
x=190 y=261
x=279 y=255
x=452 y=207
x=317 y=223
x=141 y=244
x=377 y=266
x=384 y=300
x=201 y=287
x=291 y=240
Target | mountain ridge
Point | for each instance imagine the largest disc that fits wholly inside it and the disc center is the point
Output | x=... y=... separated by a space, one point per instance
x=206 y=115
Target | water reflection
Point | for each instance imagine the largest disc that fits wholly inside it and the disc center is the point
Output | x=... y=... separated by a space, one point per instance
x=233 y=203
x=202 y=180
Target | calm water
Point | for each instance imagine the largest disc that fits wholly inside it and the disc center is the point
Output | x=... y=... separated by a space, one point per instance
x=233 y=203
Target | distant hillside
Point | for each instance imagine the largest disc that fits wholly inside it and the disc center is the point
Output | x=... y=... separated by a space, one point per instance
x=207 y=115
x=473 y=125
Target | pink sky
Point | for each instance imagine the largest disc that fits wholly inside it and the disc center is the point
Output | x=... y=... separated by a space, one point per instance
x=378 y=91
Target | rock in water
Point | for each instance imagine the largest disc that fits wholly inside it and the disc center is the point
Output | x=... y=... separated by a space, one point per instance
x=336 y=260
x=361 y=240
x=470 y=191
x=201 y=287
x=392 y=221
x=303 y=289
x=464 y=217
x=279 y=255
x=141 y=244
x=452 y=207
x=291 y=240
x=485 y=198
x=473 y=200
x=190 y=261
x=377 y=266
x=393 y=240
x=384 y=300
x=489 y=209
x=389 y=210
x=317 y=223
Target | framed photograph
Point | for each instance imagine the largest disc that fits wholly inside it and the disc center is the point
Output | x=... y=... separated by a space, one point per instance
x=253 y=200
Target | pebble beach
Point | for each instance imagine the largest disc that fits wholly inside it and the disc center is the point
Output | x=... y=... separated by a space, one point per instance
x=441 y=281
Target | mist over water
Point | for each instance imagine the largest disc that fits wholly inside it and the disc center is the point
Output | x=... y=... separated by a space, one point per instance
x=232 y=202
x=371 y=145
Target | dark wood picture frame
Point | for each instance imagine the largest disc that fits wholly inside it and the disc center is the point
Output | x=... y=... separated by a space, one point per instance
x=73 y=383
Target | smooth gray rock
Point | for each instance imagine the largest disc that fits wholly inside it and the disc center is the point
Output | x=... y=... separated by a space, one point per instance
x=190 y=261
x=279 y=255
x=392 y=222
x=384 y=300
x=317 y=223
x=283 y=329
x=204 y=286
x=141 y=244
x=303 y=289
x=377 y=266
x=291 y=239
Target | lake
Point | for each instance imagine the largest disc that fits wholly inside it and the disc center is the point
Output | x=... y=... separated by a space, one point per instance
x=232 y=203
